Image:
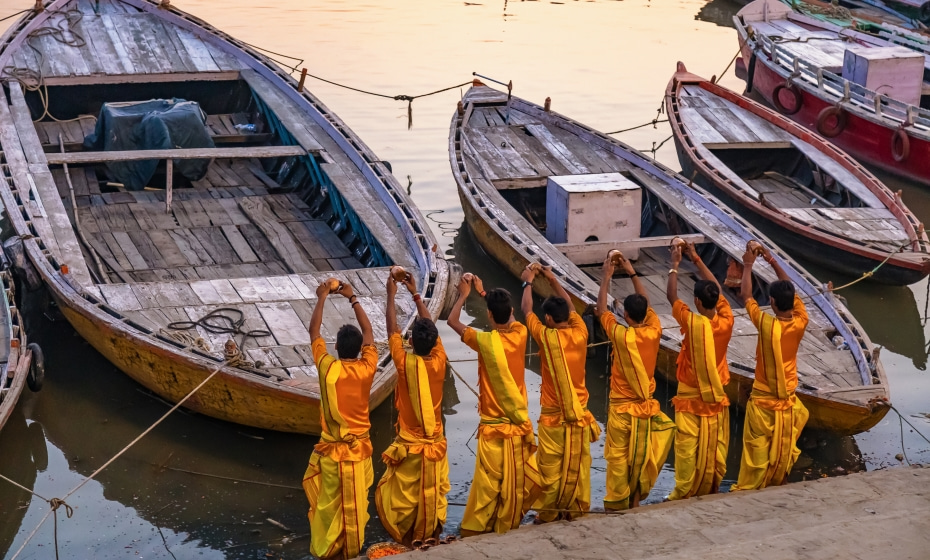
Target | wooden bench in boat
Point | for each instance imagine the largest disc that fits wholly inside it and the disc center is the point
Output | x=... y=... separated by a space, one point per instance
x=193 y=153
x=596 y=251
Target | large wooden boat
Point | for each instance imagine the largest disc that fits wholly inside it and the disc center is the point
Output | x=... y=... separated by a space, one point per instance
x=794 y=62
x=792 y=184
x=16 y=355
x=504 y=150
x=282 y=207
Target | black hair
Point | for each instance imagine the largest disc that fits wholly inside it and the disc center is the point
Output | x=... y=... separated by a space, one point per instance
x=636 y=307
x=348 y=342
x=557 y=308
x=782 y=292
x=423 y=336
x=707 y=292
x=499 y=305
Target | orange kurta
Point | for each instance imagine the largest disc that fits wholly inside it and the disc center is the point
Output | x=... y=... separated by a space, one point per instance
x=648 y=338
x=513 y=338
x=352 y=393
x=574 y=340
x=722 y=325
x=792 y=331
x=436 y=368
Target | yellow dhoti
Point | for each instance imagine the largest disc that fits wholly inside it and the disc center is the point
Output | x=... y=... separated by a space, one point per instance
x=770 y=437
x=338 y=495
x=411 y=496
x=564 y=459
x=635 y=450
x=701 y=445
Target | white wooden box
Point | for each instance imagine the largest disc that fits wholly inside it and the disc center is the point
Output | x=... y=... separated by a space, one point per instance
x=897 y=72
x=597 y=207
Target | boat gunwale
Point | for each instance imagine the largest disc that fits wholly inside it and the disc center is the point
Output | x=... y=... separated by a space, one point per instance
x=20 y=358
x=904 y=215
x=839 y=318
x=419 y=238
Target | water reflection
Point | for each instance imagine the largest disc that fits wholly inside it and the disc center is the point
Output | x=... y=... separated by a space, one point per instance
x=24 y=454
x=720 y=12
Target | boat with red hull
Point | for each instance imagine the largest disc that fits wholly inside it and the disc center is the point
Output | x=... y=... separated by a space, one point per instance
x=794 y=62
x=793 y=184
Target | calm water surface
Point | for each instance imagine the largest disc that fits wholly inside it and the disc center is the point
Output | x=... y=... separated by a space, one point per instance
x=605 y=63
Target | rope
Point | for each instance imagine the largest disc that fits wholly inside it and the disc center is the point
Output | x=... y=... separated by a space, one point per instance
x=462 y=379
x=16 y=14
x=448 y=229
x=34 y=80
x=653 y=122
x=656 y=148
x=869 y=273
x=901 y=421
x=732 y=60
x=218 y=322
x=244 y=481
x=188 y=340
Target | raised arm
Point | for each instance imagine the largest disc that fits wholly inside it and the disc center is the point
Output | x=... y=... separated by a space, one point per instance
x=556 y=285
x=456 y=312
x=606 y=278
x=745 y=290
x=526 y=301
x=390 y=311
x=770 y=258
x=316 y=319
x=368 y=336
x=671 y=289
x=703 y=271
x=411 y=285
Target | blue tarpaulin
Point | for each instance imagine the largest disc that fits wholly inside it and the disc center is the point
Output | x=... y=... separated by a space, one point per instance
x=159 y=124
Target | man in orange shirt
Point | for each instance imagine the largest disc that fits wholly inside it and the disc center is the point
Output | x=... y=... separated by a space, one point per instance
x=774 y=415
x=639 y=434
x=506 y=480
x=411 y=496
x=701 y=406
x=566 y=427
x=340 y=474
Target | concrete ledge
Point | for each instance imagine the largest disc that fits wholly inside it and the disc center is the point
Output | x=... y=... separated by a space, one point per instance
x=868 y=516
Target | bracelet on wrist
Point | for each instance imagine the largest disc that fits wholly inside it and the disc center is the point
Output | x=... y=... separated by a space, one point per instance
x=483 y=293
x=354 y=303
x=416 y=297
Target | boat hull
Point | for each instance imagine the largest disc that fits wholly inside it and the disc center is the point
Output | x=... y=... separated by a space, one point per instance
x=866 y=139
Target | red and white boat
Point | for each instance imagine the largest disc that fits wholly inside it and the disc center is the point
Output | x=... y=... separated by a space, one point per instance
x=796 y=63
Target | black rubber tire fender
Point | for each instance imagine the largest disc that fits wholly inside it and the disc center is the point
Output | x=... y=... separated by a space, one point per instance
x=795 y=91
x=36 y=376
x=838 y=114
x=900 y=138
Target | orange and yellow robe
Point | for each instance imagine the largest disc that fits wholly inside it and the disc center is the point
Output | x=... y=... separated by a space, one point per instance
x=566 y=427
x=702 y=411
x=411 y=495
x=339 y=474
x=774 y=415
x=506 y=480
x=639 y=434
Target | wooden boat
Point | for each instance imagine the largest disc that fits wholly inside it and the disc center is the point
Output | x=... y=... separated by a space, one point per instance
x=794 y=62
x=792 y=184
x=18 y=366
x=281 y=208
x=504 y=151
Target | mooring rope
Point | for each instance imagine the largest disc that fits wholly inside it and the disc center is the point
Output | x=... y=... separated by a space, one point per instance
x=901 y=421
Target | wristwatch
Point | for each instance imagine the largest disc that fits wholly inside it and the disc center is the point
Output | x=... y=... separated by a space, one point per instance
x=525 y=284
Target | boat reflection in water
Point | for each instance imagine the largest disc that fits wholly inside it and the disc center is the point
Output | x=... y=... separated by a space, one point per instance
x=24 y=455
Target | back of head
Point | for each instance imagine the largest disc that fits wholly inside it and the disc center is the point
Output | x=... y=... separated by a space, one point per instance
x=557 y=308
x=499 y=305
x=348 y=342
x=782 y=293
x=707 y=292
x=423 y=336
x=636 y=307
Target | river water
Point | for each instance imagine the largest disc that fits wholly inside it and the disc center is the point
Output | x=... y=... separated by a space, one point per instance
x=204 y=488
